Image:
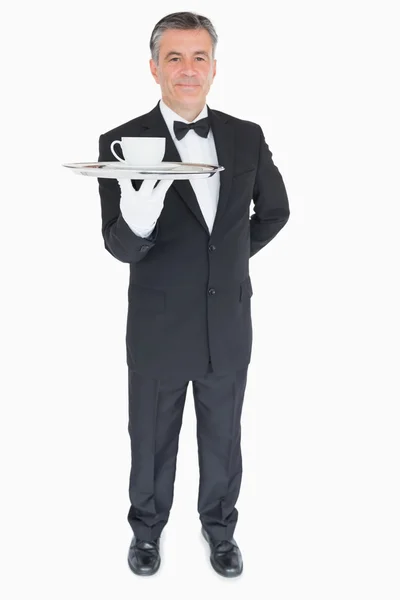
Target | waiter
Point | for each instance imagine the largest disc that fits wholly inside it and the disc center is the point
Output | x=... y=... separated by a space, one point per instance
x=188 y=245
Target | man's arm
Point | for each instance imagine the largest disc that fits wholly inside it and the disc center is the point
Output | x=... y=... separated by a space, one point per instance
x=271 y=206
x=119 y=239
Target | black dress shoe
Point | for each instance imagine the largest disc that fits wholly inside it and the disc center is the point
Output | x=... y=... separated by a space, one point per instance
x=225 y=556
x=144 y=557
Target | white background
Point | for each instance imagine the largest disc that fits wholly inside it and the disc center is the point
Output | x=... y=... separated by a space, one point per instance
x=319 y=516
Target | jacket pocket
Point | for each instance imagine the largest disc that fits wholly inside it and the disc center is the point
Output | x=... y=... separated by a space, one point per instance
x=146 y=300
x=242 y=173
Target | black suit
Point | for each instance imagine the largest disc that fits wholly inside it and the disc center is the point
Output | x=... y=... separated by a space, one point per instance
x=189 y=315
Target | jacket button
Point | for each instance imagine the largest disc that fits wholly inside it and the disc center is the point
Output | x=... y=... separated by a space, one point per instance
x=212 y=248
x=211 y=291
x=143 y=248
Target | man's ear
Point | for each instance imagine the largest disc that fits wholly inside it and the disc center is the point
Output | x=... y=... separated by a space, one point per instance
x=153 y=69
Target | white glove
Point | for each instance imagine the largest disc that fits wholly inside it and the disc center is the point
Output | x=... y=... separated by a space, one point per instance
x=142 y=208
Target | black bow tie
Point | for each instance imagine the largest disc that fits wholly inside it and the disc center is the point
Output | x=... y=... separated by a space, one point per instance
x=202 y=127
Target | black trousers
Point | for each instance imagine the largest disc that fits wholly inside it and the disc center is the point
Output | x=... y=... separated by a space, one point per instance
x=155 y=419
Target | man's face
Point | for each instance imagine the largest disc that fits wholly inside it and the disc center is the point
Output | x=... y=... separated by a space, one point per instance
x=185 y=68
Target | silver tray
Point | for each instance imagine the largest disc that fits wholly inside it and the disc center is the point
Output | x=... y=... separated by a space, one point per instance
x=164 y=170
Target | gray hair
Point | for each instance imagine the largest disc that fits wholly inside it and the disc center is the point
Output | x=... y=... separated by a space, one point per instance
x=180 y=20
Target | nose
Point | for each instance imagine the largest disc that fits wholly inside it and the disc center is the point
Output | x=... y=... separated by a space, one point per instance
x=189 y=68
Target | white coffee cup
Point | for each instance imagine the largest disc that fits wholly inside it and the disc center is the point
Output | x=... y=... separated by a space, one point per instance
x=140 y=151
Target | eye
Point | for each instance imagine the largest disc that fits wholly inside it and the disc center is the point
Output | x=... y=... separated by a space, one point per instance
x=177 y=58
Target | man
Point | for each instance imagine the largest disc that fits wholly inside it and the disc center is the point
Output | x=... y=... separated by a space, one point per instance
x=189 y=318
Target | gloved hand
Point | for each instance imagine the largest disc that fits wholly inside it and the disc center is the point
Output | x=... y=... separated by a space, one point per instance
x=142 y=208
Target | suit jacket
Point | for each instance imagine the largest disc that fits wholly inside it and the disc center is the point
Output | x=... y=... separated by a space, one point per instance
x=189 y=295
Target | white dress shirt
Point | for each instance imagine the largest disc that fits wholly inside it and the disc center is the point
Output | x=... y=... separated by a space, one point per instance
x=196 y=149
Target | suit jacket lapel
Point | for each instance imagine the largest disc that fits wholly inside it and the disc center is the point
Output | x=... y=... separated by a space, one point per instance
x=224 y=145
x=154 y=126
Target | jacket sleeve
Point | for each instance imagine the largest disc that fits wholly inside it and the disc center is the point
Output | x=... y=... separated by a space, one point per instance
x=271 y=206
x=118 y=237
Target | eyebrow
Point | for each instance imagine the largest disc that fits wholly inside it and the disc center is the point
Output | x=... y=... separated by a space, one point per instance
x=180 y=53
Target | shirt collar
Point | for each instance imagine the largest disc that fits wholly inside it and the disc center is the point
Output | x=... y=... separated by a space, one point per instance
x=170 y=116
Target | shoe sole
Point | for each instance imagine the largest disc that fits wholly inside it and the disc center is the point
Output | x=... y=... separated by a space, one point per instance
x=215 y=566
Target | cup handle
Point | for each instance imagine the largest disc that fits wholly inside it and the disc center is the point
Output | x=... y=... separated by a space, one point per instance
x=113 y=151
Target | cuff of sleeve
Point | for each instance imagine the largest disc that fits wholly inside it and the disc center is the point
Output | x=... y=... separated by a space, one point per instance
x=142 y=232
x=129 y=239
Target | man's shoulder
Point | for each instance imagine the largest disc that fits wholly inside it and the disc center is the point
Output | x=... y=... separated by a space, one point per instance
x=250 y=126
x=132 y=125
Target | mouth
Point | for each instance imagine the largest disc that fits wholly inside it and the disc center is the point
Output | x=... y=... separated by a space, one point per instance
x=187 y=86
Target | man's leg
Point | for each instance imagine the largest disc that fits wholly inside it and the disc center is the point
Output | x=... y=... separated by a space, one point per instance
x=155 y=419
x=218 y=404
